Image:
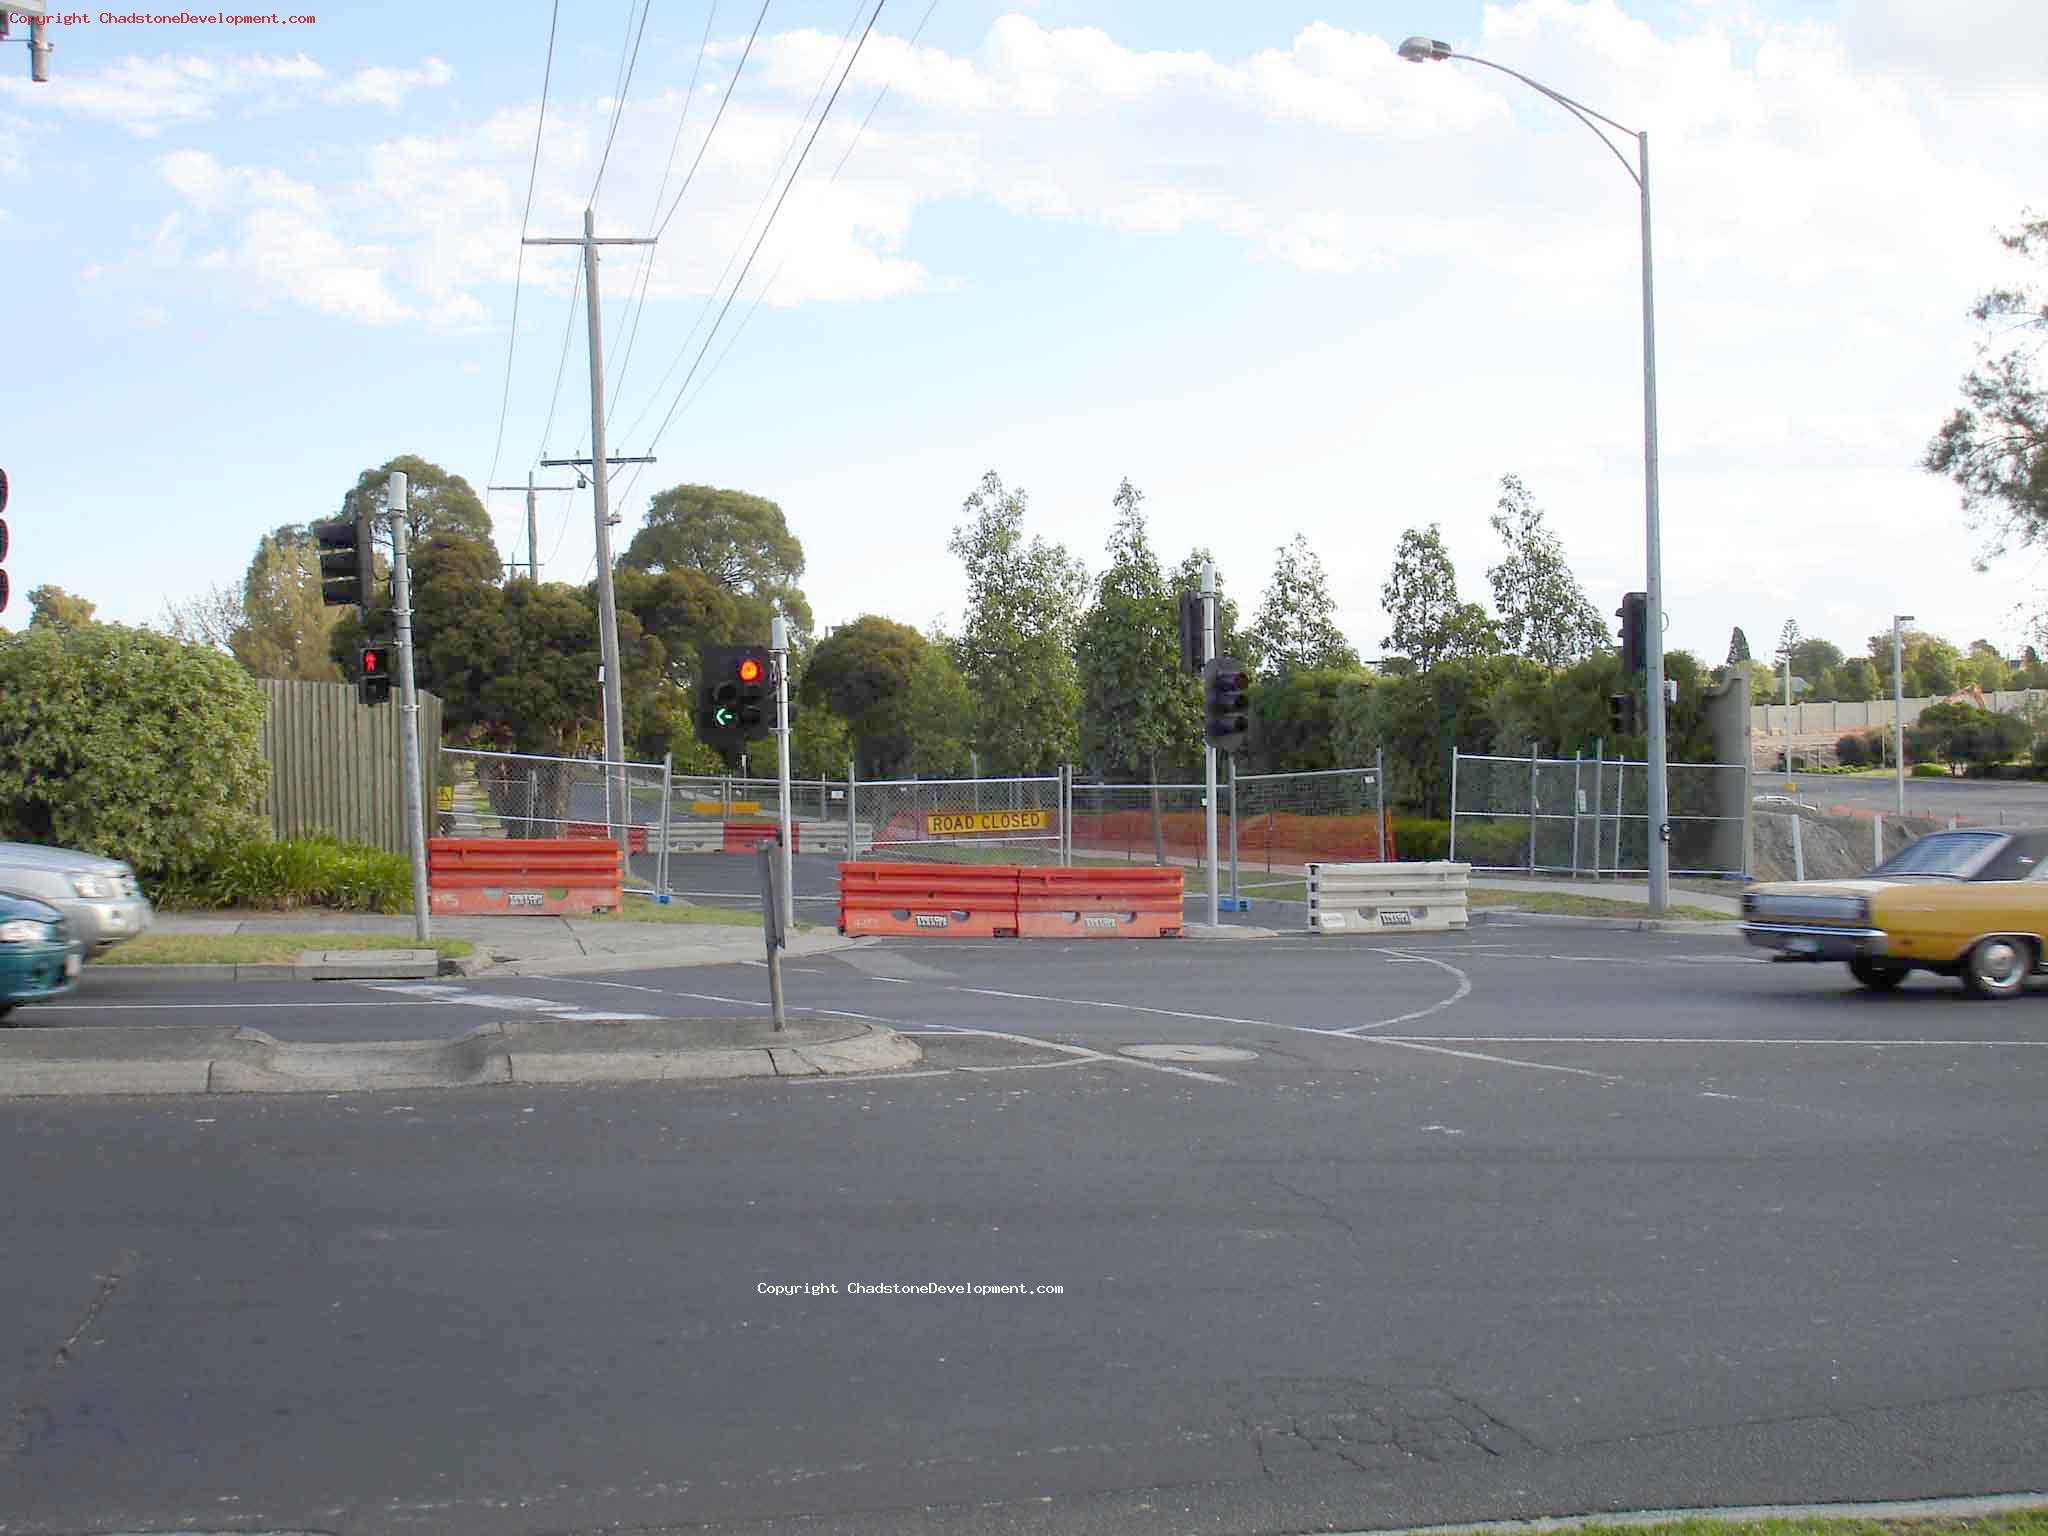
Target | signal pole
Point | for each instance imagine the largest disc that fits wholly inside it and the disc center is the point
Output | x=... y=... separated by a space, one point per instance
x=1211 y=647
x=408 y=708
x=600 y=495
x=778 y=645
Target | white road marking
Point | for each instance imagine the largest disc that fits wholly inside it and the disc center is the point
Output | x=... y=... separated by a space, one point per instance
x=1501 y=1061
x=1080 y=1050
x=1464 y=991
x=1089 y=1002
x=1710 y=1040
x=463 y=998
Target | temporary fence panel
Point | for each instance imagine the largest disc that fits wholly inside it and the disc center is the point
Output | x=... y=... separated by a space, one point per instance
x=1278 y=823
x=1383 y=898
x=1140 y=823
x=1590 y=815
x=523 y=796
x=963 y=821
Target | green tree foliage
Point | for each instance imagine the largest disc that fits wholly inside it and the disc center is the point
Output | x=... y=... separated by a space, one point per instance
x=862 y=672
x=1813 y=660
x=1543 y=612
x=1964 y=734
x=54 y=608
x=1984 y=668
x=1856 y=680
x=1016 y=643
x=740 y=543
x=1295 y=720
x=683 y=609
x=1788 y=641
x=820 y=743
x=437 y=503
x=1137 y=706
x=1420 y=596
x=1995 y=445
x=1738 y=645
x=1297 y=625
x=941 y=716
x=286 y=631
x=130 y=744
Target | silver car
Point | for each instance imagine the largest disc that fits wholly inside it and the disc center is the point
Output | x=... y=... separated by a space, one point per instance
x=99 y=897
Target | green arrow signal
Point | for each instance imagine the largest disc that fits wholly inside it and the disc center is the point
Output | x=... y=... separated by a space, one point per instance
x=724 y=716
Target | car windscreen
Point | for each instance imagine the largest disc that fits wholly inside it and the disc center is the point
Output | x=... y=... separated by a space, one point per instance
x=1941 y=853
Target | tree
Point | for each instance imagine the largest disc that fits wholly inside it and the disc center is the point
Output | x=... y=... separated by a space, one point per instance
x=1813 y=660
x=941 y=715
x=1738 y=646
x=1420 y=596
x=1136 y=702
x=1995 y=445
x=210 y=619
x=1984 y=668
x=52 y=607
x=862 y=672
x=436 y=502
x=1295 y=719
x=1016 y=643
x=128 y=743
x=1296 y=626
x=286 y=631
x=1788 y=641
x=1543 y=612
x=739 y=542
x=1856 y=680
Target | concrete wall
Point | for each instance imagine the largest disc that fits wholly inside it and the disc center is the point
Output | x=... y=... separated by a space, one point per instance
x=1841 y=719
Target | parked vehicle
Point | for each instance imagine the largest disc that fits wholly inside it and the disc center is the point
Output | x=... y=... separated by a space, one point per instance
x=99 y=897
x=38 y=956
x=1970 y=903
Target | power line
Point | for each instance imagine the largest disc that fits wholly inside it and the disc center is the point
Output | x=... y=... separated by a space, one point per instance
x=647 y=255
x=619 y=95
x=738 y=70
x=741 y=244
x=765 y=228
x=519 y=271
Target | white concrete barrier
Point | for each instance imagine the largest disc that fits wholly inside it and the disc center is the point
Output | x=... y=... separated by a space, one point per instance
x=1387 y=898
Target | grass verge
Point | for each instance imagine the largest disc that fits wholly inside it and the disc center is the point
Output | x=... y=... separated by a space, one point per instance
x=257 y=948
x=639 y=909
x=2023 y=1523
x=1567 y=904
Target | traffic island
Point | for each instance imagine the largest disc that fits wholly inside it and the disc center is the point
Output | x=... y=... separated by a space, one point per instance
x=222 y=1059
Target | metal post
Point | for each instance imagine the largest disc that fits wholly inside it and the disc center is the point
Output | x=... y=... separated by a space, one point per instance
x=774 y=930
x=1877 y=840
x=1798 y=851
x=852 y=826
x=1599 y=800
x=408 y=708
x=1379 y=779
x=1578 y=803
x=778 y=648
x=1788 y=714
x=1653 y=620
x=1899 y=707
x=1234 y=898
x=1212 y=647
x=1532 y=807
x=668 y=773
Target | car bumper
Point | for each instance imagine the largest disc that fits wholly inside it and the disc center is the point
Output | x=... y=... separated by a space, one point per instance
x=1811 y=941
x=32 y=971
x=100 y=925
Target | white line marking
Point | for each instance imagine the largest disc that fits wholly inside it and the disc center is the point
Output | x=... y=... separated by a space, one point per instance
x=503 y=1001
x=1080 y=1050
x=1464 y=991
x=1089 y=1002
x=1708 y=1040
x=1503 y=1061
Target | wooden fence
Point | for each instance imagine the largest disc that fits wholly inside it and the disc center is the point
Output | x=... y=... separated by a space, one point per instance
x=334 y=762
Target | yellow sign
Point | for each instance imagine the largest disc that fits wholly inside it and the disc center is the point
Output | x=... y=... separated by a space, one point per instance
x=444 y=797
x=946 y=823
x=720 y=807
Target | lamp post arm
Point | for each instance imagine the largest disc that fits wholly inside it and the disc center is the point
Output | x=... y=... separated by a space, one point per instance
x=1582 y=112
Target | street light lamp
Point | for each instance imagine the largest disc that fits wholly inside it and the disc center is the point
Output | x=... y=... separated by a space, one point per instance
x=1899 y=708
x=1427 y=50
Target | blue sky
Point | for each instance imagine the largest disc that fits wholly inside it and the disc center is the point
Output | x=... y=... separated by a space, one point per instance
x=1239 y=254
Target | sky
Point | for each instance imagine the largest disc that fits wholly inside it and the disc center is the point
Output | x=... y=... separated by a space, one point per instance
x=1244 y=256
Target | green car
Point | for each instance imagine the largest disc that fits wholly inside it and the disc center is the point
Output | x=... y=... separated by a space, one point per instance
x=38 y=956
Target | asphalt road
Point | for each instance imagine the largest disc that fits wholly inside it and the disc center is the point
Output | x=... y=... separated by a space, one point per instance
x=2019 y=803
x=1514 y=1222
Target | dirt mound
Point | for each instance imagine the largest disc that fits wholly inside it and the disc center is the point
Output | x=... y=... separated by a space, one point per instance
x=1836 y=846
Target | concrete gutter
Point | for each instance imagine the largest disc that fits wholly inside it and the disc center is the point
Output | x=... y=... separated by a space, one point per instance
x=205 y=1059
x=1511 y=918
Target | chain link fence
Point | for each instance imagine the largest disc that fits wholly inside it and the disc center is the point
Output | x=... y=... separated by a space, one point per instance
x=1590 y=816
x=521 y=795
x=962 y=821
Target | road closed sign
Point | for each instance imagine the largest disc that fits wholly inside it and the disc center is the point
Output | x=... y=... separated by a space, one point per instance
x=954 y=823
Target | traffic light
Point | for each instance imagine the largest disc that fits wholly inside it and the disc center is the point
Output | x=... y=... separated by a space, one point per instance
x=348 y=561
x=373 y=674
x=3 y=541
x=1621 y=713
x=1229 y=724
x=732 y=695
x=1634 y=615
x=1191 y=638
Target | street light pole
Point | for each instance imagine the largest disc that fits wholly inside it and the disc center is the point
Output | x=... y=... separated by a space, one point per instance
x=1899 y=708
x=1424 y=50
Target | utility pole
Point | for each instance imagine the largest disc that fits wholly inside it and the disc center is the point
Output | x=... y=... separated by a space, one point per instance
x=778 y=647
x=408 y=707
x=1211 y=647
x=532 y=520
x=600 y=495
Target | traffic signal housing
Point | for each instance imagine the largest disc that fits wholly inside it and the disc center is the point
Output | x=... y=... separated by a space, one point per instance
x=1225 y=687
x=348 y=561
x=1621 y=713
x=732 y=695
x=1634 y=615
x=1191 y=646
x=374 y=674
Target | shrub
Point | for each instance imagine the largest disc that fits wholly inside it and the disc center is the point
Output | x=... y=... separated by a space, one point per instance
x=1930 y=771
x=296 y=872
x=2039 y=755
x=1849 y=752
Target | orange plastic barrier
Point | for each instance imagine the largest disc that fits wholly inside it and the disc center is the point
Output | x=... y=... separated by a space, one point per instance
x=959 y=901
x=745 y=836
x=549 y=875
x=1142 y=902
x=636 y=836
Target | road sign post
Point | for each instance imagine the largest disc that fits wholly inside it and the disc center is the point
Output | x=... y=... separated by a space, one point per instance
x=408 y=704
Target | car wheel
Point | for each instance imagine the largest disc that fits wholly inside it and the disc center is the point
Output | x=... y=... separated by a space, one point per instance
x=1876 y=975
x=5 y=1009
x=1998 y=967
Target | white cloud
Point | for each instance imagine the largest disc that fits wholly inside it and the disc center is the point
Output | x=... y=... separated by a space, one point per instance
x=145 y=96
x=386 y=87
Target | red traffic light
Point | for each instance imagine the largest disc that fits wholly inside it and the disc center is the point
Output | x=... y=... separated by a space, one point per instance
x=372 y=661
x=750 y=669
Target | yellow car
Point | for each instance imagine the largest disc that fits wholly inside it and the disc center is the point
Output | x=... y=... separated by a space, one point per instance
x=1971 y=903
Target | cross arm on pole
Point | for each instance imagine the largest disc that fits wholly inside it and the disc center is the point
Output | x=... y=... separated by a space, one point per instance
x=591 y=240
